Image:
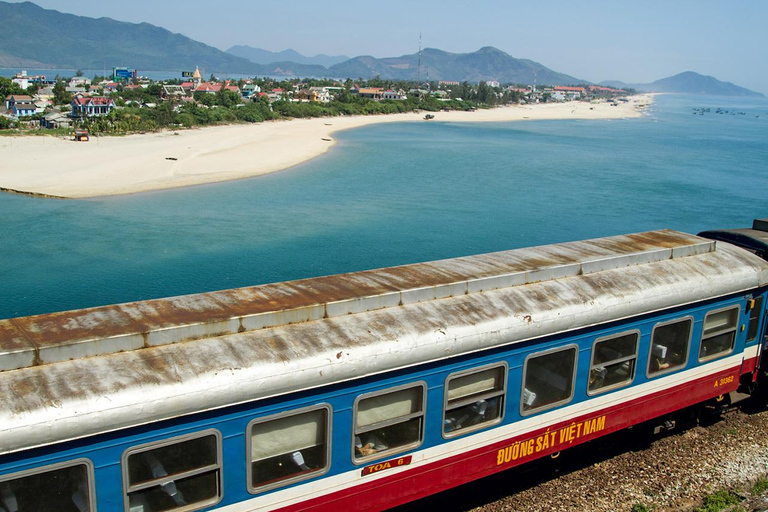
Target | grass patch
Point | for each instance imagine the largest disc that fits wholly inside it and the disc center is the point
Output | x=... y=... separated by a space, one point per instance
x=760 y=487
x=639 y=507
x=719 y=501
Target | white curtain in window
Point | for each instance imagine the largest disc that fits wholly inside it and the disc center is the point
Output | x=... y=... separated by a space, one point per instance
x=719 y=321
x=287 y=435
x=481 y=382
x=389 y=406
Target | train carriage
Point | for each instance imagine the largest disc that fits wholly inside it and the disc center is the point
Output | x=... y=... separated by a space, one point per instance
x=367 y=390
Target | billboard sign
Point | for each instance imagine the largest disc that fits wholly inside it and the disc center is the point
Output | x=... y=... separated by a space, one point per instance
x=123 y=73
x=187 y=74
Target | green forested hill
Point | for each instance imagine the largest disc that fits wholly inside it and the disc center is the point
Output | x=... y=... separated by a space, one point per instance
x=32 y=34
x=485 y=64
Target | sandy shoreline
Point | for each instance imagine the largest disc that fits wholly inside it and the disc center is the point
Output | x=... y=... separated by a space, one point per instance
x=50 y=166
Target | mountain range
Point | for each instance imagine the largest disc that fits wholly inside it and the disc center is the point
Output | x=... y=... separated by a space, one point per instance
x=689 y=82
x=68 y=41
x=259 y=56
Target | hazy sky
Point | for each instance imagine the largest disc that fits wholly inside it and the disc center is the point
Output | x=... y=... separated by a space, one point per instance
x=595 y=40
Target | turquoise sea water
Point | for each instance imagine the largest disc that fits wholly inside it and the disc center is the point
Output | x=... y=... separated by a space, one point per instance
x=394 y=194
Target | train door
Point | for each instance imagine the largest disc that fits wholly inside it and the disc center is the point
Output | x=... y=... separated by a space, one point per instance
x=763 y=336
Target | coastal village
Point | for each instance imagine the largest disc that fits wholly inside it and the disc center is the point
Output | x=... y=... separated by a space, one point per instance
x=37 y=102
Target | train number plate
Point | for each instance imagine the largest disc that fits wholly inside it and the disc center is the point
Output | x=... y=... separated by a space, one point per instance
x=383 y=466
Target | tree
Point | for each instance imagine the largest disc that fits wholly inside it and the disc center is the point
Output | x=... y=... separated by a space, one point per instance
x=8 y=87
x=60 y=94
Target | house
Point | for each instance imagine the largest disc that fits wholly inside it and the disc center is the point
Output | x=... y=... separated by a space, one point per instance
x=250 y=89
x=323 y=94
x=23 y=80
x=92 y=107
x=79 y=81
x=372 y=93
x=394 y=95
x=570 y=93
x=173 y=92
x=23 y=109
x=45 y=93
x=493 y=83
x=16 y=98
x=19 y=105
x=56 y=120
x=305 y=95
x=109 y=87
x=214 y=87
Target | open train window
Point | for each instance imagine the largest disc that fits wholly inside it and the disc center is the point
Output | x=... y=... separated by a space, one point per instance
x=388 y=422
x=613 y=362
x=288 y=448
x=719 y=333
x=66 y=487
x=474 y=399
x=670 y=342
x=548 y=379
x=754 y=318
x=183 y=473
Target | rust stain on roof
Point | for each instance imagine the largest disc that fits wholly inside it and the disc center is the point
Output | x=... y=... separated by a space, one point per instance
x=221 y=312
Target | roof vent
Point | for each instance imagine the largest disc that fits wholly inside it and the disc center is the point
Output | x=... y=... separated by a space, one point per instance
x=760 y=224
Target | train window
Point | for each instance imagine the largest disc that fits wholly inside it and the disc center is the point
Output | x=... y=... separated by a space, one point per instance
x=548 y=379
x=719 y=333
x=474 y=399
x=669 y=346
x=754 y=318
x=183 y=473
x=66 y=487
x=288 y=447
x=613 y=362
x=388 y=422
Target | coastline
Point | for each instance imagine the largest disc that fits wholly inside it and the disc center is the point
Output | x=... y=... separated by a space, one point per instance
x=105 y=166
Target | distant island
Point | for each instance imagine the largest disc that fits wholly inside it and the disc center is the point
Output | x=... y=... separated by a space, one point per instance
x=67 y=41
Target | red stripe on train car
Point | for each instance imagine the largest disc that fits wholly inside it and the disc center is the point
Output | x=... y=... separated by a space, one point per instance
x=749 y=365
x=478 y=463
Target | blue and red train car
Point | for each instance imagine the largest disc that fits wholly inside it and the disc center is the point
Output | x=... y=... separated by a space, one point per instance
x=368 y=390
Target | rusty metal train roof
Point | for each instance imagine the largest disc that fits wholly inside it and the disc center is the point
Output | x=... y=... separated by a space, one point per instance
x=109 y=367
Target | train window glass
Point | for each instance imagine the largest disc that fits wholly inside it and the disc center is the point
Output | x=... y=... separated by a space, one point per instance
x=288 y=448
x=719 y=333
x=613 y=362
x=64 y=487
x=669 y=346
x=548 y=379
x=754 y=318
x=474 y=399
x=179 y=474
x=388 y=422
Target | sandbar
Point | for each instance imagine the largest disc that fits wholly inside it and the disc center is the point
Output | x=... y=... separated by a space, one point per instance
x=106 y=166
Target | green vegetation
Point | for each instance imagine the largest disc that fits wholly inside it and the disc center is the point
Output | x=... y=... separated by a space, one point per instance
x=226 y=107
x=760 y=487
x=639 y=507
x=146 y=108
x=719 y=501
x=7 y=87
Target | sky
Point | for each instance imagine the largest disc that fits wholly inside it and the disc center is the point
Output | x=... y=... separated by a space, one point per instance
x=595 y=40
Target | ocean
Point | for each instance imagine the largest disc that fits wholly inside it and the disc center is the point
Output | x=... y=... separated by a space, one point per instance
x=395 y=194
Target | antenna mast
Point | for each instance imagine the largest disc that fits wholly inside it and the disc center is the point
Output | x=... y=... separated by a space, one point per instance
x=418 y=72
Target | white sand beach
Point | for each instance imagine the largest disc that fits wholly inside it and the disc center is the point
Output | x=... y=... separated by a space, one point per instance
x=60 y=167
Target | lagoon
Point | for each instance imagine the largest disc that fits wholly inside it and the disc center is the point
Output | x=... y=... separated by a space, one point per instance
x=394 y=194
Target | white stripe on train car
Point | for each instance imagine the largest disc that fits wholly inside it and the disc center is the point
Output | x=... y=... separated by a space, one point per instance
x=324 y=486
